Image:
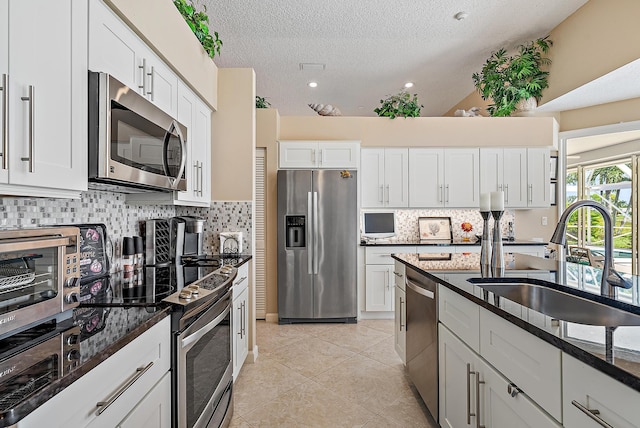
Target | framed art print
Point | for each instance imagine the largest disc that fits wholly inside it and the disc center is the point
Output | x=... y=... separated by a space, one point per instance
x=435 y=228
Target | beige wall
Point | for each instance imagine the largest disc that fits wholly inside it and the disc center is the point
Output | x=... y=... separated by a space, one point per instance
x=423 y=131
x=178 y=46
x=268 y=127
x=233 y=131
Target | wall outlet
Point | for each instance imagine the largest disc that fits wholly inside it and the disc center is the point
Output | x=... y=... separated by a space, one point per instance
x=544 y=220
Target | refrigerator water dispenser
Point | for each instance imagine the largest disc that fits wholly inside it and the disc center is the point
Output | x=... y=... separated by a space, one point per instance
x=296 y=231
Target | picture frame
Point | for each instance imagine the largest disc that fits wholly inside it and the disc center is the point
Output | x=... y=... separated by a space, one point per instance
x=552 y=193
x=435 y=228
x=554 y=167
x=426 y=257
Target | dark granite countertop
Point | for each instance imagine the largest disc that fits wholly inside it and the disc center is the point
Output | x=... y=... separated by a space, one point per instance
x=584 y=342
x=439 y=243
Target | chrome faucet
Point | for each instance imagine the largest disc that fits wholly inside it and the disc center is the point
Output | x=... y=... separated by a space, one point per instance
x=610 y=278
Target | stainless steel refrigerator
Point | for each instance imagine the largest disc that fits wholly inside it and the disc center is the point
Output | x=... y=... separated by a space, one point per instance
x=317 y=245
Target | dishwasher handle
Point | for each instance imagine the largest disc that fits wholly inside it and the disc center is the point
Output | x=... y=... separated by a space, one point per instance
x=423 y=292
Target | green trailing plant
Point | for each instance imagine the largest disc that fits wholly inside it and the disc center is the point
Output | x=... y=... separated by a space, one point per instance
x=198 y=21
x=507 y=80
x=261 y=102
x=401 y=104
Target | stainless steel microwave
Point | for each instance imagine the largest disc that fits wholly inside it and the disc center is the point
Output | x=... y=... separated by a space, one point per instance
x=133 y=145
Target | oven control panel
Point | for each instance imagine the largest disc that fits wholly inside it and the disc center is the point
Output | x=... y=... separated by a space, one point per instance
x=71 y=274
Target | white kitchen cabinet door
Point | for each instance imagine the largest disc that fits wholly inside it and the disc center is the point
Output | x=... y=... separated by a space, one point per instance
x=154 y=411
x=538 y=170
x=202 y=131
x=47 y=96
x=502 y=406
x=515 y=177
x=338 y=154
x=400 y=321
x=297 y=154
x=460 y=315
x=379 y=288
x=457 y=375
x=426 y=178
x=585 y=389
x=187 y=117
x=396 y=177
x=529 y=362
x=160 y=82
x=372 y=178
x=491 y=169
x=240 y=330
x=461 y=178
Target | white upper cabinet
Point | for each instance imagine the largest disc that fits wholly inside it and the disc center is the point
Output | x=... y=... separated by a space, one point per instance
x=319 y=154
x=384 y=178
x=538 y=172
x=522 y=173
x=443 y=178
x=44 y=98
x=115 y=49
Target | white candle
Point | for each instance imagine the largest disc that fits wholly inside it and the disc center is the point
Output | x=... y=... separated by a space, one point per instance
x=485 y=202
x=497 y=201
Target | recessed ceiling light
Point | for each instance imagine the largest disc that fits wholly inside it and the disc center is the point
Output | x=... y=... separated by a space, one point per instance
x=460 y=15
x=408 y=85
x=313 y=84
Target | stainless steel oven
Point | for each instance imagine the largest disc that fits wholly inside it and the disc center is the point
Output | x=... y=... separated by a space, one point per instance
x=132 y=143
x=39 y=275
x=202 y=360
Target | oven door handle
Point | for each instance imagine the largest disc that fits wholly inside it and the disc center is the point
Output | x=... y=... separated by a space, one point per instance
x=31 y=244
x=187 y=341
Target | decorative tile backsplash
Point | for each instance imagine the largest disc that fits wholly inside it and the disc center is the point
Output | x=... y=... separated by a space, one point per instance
x=122 y=219
x=407 y=222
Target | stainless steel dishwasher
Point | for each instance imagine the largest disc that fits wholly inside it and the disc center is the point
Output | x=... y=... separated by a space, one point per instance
x=422 y=337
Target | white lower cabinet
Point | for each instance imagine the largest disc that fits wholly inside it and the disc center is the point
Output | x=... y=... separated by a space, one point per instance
x=472 y=393
x=379 y=295
x=240 y=319
x=531 y=363
x=400 y=311
x=154 y=411
x=130 y=382
x=593 y=399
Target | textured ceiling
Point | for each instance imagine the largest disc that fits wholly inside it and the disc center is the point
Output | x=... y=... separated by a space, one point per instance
x=372 y=47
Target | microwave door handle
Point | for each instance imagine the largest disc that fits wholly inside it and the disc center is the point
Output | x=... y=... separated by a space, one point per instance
x=167 y=136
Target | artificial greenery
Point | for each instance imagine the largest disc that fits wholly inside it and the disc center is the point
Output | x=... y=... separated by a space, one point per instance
x=506 y=80
x=399 y=105
x=261 y=102
x=198 y=21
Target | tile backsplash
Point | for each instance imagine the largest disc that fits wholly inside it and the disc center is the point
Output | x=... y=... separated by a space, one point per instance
x=407 y=222
x=122 y=219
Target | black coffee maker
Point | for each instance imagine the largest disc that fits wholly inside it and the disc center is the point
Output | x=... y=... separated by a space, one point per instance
x=187 y=236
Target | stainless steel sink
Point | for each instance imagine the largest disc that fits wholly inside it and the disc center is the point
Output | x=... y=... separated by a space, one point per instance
x=559 y=304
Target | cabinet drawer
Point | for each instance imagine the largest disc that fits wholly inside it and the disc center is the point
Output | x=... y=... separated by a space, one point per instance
x=531 y=363
x=152 y=350
x=241 y=282
x=460 y=315
x=382 y=255
x=616 y=402
x=399 y=275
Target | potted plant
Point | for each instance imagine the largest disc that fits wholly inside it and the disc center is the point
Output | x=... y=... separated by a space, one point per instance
x=199 y=23
x=510 y=80
x=261 y=102
x=399 y=105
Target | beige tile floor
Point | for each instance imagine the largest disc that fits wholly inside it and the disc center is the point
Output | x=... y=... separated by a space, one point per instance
x=327 y=375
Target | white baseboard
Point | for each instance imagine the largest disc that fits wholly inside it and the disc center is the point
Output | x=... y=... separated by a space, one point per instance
x=253 y=355
x=271 y=317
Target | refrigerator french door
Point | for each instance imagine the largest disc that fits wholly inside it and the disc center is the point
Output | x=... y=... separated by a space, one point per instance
x=317 y=245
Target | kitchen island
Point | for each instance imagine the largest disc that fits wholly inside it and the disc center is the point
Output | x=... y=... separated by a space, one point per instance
x=557 y=364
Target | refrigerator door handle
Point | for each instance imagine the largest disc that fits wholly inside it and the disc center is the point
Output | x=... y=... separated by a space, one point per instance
x=315 y=232
x=310 y=237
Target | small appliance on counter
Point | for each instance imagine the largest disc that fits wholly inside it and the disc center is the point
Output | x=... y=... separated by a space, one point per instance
x=187 y=236
x=230 y=243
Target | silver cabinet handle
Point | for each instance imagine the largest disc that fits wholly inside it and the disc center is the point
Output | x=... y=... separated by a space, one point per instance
x=195 y=178
x=239 y=281
x=388 y=193
x=592 y=413
x=240 y=312
x=398 y=274
x=104 y=405
x=530 y=192
x=447 y=199
x=402 y=303
x=31 y=101
x=387 y=280
x=5 y=122
x=513 y=390
x=469 y=414
x=313 y=156
x=506 y=193
x=478 y=383
x=151 y=92
x=321 y=157
x=381 y=194
x=200 y=168
x=143 y=67
x=244 y=315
